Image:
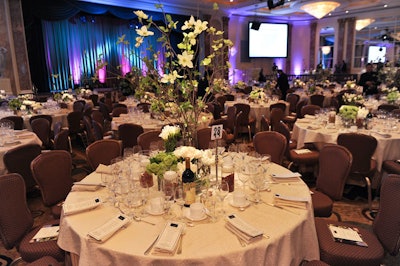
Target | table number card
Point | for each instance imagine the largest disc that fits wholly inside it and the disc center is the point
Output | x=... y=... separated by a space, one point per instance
x=216 y=132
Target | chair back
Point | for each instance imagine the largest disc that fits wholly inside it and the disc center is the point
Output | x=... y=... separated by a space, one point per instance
x=62 y=141
x=244 y=107
x=149 y=139
x=272 y=143
x=17 y=120
x=97 y=116
x=317 y=99
x=128 y=134
x=362 y=147
x=299 y=106
x=292 y=99
x=204 y=138
x=41 y=127
x=117 y=111
x=387 y=107
x=386 y=225
x=334 y=167
x=48 y=117
x=103 y=151
x=18 y=160
x=278 y=105
x=15 y=217
x=276 y=116
x=98 y=130
x=310 y=109
x=78 y=106
x=95 y=99
x=282 y=128
x=87 y=122
x=74 y=122
x=221 y=101
x=103 y=108
x=57 y=128
x=230 y=118
x=230 y=97
x=144 y=107
x=52 y=172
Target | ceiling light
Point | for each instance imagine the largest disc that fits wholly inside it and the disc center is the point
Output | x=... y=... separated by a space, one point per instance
x=326 y=50
x=320 y=9
x=362 y=23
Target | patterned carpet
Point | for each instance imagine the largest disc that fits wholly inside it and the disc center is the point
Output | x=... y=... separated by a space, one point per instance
x=350 y=210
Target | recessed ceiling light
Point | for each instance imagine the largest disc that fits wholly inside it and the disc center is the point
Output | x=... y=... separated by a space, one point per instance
x=385 y=5
x=347 y=11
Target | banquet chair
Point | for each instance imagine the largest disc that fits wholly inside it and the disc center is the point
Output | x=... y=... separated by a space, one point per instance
x=128 y=134
x=317 y=99
x=17 y=120
x=203 y=137
x=229 y=97
x=230 y=137
x=57 y=128
x=230 y=119
x=115 y=105
x=221 y=101
x=292 y=99
x=102 y=152
x=144 y=107
x=282 y=128
x=310 y=109
x=244 y=123
x=277 y=115
x=334 y=167
x=62 y=141
x=95 y=99
x=272 y=143
x=149 y=139
x=99 y=133
x=75 y=125
x=391 y=167
x=89 y=132
x=48 y=117
x=387 y=107
x=117 y=111
x=103 y=108
x=16 y=224
x=41 y=127
x=78 y=106
x=299 y=106
x=384 y=238
x=362 y=147
x=52 y=172
x=279 y=105
x=18 y=160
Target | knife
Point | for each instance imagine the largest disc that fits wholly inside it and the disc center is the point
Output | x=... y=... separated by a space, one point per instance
x=280 y=207
x=151 y=246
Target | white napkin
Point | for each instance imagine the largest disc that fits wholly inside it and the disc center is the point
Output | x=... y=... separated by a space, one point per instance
x=302 y=151
x=290 y=201
x=85 y=187
x=84 y=205
x=168 y=241
x=46 y=233
x=103 y=169
x=309 y=116
x=247 y=233
x=286 y=175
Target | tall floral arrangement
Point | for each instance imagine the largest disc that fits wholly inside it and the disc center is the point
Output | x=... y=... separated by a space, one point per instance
x=353 y=99
x=176 y=77
x=170 y=135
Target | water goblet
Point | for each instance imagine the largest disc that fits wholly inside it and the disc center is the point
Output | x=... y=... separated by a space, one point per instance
x=180 y=199
x=169 y=191
x=222 y=192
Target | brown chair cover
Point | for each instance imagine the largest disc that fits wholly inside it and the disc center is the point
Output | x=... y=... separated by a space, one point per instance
x=204 y=138
x=16 y=222
x=18 y=160
x=147 y=139
x=117 y=111
x=102 y=152
x=128 y=134
x=388 y=107
x=144 y=107
x=78 y=106
x=334 y=167
x=264 y=123
x=103 y=108
x=309 y=109
x=277 y=114
x=278 y=105
x=272 y=143
x=391 y=167
x=292 y=99
x=244 y=123
x=299 y=106
x=17 y=120
x=48 y=117
x=41 y=127
x=52 y=172
x=87 y=122
x=62 y=141
x=45 y=261
x=317 y=99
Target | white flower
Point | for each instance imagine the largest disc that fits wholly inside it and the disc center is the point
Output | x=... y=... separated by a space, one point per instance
x=362 y=112
x=169 y=131
x=200 y=26
x=139 y=41
x=140 y=14
x=208 y=157
x=144 y=32
x=170 y=78
x=185 y=59
x=188 y=24
x=188 y=151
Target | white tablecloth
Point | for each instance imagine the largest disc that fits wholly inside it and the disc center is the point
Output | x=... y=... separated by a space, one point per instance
x=305 y=132
x=292 y=237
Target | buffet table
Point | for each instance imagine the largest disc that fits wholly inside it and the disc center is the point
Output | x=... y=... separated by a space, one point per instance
x=289 y=233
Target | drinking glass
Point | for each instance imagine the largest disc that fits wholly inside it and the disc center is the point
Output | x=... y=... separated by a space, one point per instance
x=169 y=192
x=180 y=199
x=258 y=182
x=222 y=192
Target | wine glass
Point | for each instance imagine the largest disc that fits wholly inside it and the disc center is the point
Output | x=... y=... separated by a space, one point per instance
x=257 y=181
x=180 y=199
x=222 y=192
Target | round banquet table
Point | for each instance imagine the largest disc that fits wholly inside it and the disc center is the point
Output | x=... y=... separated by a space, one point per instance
x=290 y=235
x=306 y=131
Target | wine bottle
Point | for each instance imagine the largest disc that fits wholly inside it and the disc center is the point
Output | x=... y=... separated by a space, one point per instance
x=189 y=187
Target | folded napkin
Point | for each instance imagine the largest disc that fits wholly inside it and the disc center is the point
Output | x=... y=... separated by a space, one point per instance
x=302 y=151
x=167 y=243
x=243 y=230
x=309 y=116
x=84 y=205
x=286 y=177
x=26 y=135
x=85 y=187
x=290 y=201
x=46 y=233
x=109 y=228
x=103 y=169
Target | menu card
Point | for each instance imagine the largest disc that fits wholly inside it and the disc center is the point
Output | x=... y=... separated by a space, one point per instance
x=347 y=235
x=46 y=233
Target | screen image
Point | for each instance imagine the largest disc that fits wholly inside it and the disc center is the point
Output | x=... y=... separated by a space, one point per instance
x=270 y=40
x=376 y=54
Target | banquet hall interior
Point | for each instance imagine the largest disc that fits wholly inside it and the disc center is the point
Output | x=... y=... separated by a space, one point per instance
x=281 y=81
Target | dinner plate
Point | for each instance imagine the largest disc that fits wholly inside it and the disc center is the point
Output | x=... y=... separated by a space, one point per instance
x=151 y=212
x=233 y=204
x=204 y=216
